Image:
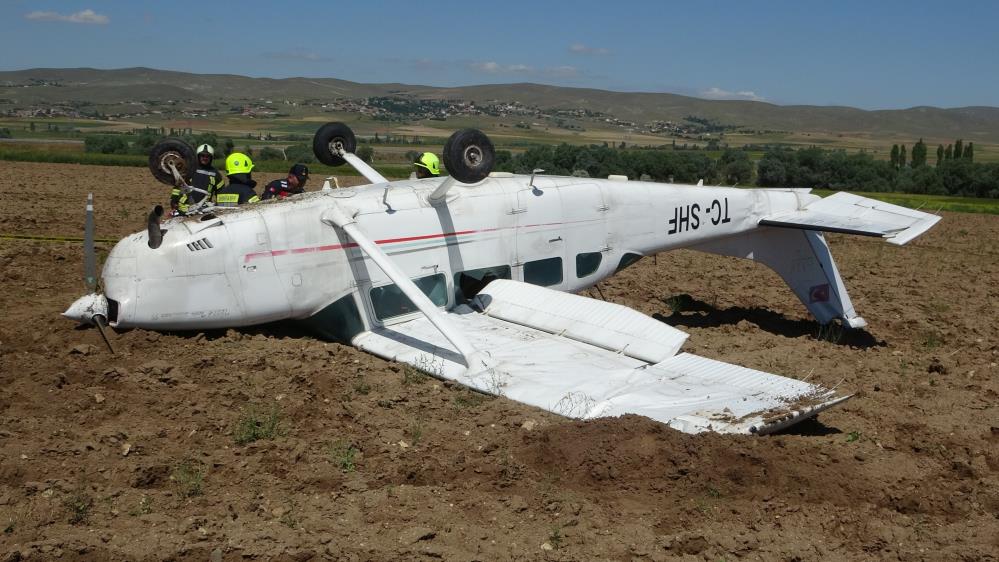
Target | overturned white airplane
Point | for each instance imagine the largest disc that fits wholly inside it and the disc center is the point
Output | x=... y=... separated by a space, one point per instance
x=470 y=278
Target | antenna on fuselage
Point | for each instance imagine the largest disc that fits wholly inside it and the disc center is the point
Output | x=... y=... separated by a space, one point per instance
x=329 y=183
x=534 y=172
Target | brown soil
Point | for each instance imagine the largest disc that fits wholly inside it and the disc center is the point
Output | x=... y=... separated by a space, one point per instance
x=135 y=456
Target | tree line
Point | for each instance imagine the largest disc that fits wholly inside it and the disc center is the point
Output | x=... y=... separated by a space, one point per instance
x=955 y=151
x=835 y=169
x=733 y=167
x=779 y=167
x=906 y=171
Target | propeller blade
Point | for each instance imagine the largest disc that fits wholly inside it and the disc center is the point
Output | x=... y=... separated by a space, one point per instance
x=89 y=253
x=101 y=322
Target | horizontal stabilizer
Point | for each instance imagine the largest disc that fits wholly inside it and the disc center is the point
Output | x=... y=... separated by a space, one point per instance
x=852 y=214
x=573 y=378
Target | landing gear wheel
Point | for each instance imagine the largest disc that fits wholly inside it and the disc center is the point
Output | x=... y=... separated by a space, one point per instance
x=330 y=140
x=469 y=155
x=172 y=151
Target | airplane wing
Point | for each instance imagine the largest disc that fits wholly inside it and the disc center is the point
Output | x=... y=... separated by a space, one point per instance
x=585 y=359
x=852 y=214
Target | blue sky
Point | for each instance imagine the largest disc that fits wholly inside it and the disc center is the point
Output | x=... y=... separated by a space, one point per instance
x=873 y=54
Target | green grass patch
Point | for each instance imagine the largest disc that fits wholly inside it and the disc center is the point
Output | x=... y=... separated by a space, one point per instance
x=468 y=399
x=79 y=505
x=189 y=477
x=342 y=455
x=70 y=157
x=256 y=423
x=930 y=203
x=144 y=507
x=412 y=376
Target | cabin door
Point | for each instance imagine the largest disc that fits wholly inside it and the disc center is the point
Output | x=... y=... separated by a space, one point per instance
x=540 y=258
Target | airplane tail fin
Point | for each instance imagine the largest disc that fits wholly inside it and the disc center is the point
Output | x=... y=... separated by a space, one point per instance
x=803 y=260
x=792 y=245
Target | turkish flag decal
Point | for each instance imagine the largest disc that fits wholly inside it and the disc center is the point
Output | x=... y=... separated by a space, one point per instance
x=819 y=293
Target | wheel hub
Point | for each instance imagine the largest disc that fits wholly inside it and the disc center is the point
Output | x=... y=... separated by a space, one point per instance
x=472 y=156
x=174 y=158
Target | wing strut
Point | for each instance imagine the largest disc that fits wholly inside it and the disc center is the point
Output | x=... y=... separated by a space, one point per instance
x=475 y=360
x=362 y=167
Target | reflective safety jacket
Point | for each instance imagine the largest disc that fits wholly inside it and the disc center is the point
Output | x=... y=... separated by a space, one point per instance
x=280 y=189
x=239 y=191
x=207 y=178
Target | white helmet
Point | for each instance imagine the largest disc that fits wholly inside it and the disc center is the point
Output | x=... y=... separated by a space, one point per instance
x=206 y=148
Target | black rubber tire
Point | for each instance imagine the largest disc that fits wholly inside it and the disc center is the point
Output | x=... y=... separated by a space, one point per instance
x=469 y=155
x=172 y=150
x=329 y=136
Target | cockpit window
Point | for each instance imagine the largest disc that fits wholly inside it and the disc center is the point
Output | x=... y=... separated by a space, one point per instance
x=389 y=300
x=339 y=321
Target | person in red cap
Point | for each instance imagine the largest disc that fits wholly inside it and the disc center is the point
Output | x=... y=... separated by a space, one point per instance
x=294 y=183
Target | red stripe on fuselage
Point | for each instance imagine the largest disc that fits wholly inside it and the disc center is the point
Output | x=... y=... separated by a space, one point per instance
x=308 y=250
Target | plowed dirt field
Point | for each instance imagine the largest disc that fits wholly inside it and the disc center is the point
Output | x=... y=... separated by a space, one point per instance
x=137 y=456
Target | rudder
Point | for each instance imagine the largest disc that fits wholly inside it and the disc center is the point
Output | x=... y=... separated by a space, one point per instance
x=802 y=258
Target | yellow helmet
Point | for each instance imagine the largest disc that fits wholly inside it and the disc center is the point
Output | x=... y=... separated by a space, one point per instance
x=238 y=163
x=429 y=161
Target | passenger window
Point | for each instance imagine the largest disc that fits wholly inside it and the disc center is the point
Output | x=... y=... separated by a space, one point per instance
x=546 y=272
x=587 y=263
x=467 y=284
x=627 y=260
x=389 y=300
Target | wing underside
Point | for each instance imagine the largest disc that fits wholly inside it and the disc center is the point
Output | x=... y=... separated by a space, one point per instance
x=570 y=355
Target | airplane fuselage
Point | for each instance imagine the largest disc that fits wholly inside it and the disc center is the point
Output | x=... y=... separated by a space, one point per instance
x=279 y=260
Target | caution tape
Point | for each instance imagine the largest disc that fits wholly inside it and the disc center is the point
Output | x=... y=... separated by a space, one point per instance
x=45 y=238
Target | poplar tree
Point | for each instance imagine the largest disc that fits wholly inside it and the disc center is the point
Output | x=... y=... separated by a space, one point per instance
x=958 y=149
x=940 y=154
x=901 y=157
x=919 y=154
x=969 y=152
x=949 y=153
x=894 y=156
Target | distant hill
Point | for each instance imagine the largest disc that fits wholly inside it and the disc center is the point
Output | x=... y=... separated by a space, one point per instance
x=40 y=86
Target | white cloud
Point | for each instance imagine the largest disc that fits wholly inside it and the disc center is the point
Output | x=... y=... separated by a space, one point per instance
x=299 y=54
x=581 y=49
x=85 y=16
x=491 y=67
x=564 y=71
x=720 y=94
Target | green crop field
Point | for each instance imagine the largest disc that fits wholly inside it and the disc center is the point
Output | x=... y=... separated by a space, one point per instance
x=932 y=203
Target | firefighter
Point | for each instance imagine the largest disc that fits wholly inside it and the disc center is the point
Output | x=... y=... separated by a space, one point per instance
x=427 y=166
x=294 y=183
x=205 y=177
x=238 y=167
